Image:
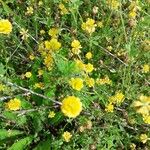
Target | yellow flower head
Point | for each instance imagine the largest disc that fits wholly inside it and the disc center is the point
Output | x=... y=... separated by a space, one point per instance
x=114 y=4
x=63 y=9
x=5 y=26
x=89 y=68
x=53 y=45
x=89 y=26
x=13 y=104
x=51 y=114
x=142 y=105
x=146 y=68
x=104 y=80
x=109 y=107
x=76 y=46
x=28 y=74
x=40 y=72
x=2 y=87
x=88 y=55
x=119 y=96
x=48 y=62
x=76 y=83
x=24 y=34
x=90 y=82
x=146 y=119
x=39 y=85
x=71 y=106
x=53 y=32
x=32 y=57
x=29 y=10
x=67 y=135
x=80 y=64
x=143 y=138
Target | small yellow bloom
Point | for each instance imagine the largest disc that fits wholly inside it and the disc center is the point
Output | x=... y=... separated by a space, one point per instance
x=80 y=65
x=39 y=85
x=90 y=82
x=71 y=106
x=88 y=55
x=146 y=68
x=76 y=46
x=48 y=62
x=146 y=119
x=119 y=96
x=40 y=3
x=142 y=105
x=32 y=57
x=29 y=10
x=24 y=34
x=53 y=32
x=76 y=83
x=89 y=26
x=63 y=9
x=2 y=87
x=51 y=114
x=132 y=14
x=5 y=26
x=53 y=45
x=109 y=107
x=133 y=146
x=67 y=136
x=13 y=104
x=114 y=4
x=89 y=68
x=104 y=80
x=143 y=138
x=42 y=32
x=100 y=24
x=28 y=74
x=40 y=72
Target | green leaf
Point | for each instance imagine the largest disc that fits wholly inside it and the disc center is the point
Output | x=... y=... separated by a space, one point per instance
x=6 y=8
x=8 y=133
x=2 y=70
x=44 y=145
x=21 y=144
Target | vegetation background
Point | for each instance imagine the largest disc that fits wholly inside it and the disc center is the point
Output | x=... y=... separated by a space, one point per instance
x=94 y=54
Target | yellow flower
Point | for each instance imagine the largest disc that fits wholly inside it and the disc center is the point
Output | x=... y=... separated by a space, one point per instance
x=114 y=4
x=100 y=24
x=142 y=106
x=24 y=34
x=40 y=3
x=119 y=96
x=132 y=14
x=28 y=74
x=48 y=62
x=13 y=104
x=53 y=32
x=146 y=119
x=71 y=106
x=63 y=9
x=90 y=82
x=32 y=57
x=42 y=32
x=76 y=46
x=89 y=26
x=51 y=114
x=52 y=45
x=104 y=80
x=89 y=68
x=2 y=87
x=80 y=64
x=29 y=10
x=76 y=83
x=5 y=26
x=143 y=138
x=146 y=68
x=109 y=107
x=88 y=55
x=39 y=85
x=40 y=72
x=133 y=146
x=67 y=135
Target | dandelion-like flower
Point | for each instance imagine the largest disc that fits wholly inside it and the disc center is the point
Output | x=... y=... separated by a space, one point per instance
x=5 y=26
x=71 y=106
x=76 y=83
x=76 y=46
x=67 y=136
x=13 y=104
